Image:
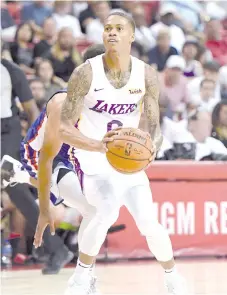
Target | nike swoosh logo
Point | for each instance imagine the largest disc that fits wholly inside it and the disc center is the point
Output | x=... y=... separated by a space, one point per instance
x=98 y=89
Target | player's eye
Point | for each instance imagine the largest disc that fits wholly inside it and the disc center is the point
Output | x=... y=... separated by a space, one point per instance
x=119 y=29
x=107 y=29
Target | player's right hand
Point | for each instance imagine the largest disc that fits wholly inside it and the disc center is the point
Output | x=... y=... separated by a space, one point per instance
x=44 y=220
x=109 y=136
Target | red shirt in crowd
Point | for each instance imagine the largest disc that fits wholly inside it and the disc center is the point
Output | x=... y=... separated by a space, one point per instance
x=219 y=48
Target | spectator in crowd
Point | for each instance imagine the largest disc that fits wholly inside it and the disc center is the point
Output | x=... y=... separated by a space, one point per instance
x=38 y=92
x=138 y=51
x=194 y=141
x=14 y=8
x=223 y=81
x=94 y=28
x=128 y=6
x=45 y=72
x=219 y=121
x=205 y=99
x=158 y=55
x=173 y=132
x=36 y=11
x=78 y=7
x=200 y=125
x=63 y=54
x=173 y=85
x=48 y=39
x=8 y=25
x=216 y=40
x=210 y=72
x=143 y=34
x=189 y=12
x=88 y=13
x=167 y=18
x=5 y=51
x=203 y=55
x=215 y=9
x=170 y=129
x=86 y=16
x=189 y=52
x=63 y=18
x=21 y=49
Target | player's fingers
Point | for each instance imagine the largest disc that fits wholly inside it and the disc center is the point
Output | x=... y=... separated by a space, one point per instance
x=117 y=129
x=153 y=154
x=52 y=228
x=111 y=133
x=38 y=236
x=37 y=241
x=107 y=139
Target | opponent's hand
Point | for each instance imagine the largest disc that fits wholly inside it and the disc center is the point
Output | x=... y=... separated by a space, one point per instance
x=44 y=220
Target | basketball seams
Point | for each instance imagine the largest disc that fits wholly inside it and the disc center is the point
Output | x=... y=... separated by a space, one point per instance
x=120 y=139
x=140 y=160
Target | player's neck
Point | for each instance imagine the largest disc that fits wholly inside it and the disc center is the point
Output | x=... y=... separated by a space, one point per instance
x=117 y=61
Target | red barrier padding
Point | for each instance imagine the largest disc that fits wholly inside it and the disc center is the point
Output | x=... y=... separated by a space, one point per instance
x=191 y=170
x=194 y=212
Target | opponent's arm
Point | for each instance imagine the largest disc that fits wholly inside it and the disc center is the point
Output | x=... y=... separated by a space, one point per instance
x=78 y=87
x=50 y=148
x=151 y=106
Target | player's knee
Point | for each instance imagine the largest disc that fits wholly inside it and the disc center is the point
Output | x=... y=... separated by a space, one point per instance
x=148 y=226
x=108 y=215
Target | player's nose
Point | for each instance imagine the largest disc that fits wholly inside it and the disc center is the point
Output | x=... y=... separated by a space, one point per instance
x=113 y=33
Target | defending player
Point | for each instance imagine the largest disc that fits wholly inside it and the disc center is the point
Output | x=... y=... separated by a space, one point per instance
x=42 y=149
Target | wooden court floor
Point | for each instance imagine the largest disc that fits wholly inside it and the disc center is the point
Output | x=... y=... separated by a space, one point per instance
x=204 y=277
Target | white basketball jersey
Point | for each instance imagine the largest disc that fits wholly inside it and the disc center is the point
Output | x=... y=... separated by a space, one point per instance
x=106 y=108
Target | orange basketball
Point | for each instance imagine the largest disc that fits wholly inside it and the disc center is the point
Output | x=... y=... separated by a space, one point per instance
x=130 y=151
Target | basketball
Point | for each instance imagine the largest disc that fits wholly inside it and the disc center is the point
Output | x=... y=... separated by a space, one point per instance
x=130 y=151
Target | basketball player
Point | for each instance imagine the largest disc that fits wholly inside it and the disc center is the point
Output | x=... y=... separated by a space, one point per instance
x=106 y=92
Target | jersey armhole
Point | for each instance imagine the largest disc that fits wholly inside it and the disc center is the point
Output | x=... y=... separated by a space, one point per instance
x=92 y=80
x=59 y=92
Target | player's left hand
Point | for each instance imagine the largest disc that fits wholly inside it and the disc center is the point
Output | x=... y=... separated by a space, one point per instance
x=153 y=152
x=44 y=220
x=152 y=147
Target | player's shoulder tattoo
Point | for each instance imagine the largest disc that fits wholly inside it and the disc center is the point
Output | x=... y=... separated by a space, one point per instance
x=151 y=82
x=78 y=86
x=80 y=81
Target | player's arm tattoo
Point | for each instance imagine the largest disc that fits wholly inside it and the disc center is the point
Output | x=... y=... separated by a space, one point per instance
x=78 y=87
x=151 y=106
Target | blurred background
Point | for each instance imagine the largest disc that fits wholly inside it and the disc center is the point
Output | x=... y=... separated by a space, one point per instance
x=186 y=41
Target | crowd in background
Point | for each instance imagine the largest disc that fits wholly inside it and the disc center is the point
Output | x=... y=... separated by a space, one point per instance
x=186 y=41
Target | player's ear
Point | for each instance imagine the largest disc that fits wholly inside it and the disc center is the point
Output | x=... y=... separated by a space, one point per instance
x=133 y=37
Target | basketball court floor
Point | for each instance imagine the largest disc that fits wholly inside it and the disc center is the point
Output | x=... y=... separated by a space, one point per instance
x=134 y=278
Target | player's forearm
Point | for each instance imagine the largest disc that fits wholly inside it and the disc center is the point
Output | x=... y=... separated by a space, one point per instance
x=44 y=182
x=155 y=133
x=158 y=141
x=72 y=136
